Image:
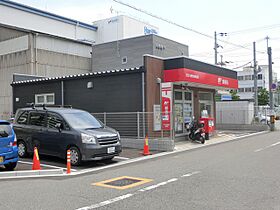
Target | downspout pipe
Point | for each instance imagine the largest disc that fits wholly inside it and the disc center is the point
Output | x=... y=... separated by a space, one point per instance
x=143 y=103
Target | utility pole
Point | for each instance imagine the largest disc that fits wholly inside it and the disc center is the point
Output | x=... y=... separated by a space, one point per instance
x=216 y=45
x=255 y=80
x=272 y=120
x=270 y=78
x=215 y=48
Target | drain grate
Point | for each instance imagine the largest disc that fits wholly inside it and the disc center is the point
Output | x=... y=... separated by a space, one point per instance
x=123 y=182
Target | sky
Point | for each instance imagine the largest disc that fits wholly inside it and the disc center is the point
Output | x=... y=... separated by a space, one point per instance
x=244 y=22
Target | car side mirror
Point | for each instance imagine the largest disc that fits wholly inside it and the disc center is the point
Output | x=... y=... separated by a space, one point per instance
x=59 y=126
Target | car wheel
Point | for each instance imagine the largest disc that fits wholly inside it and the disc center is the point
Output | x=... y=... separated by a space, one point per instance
x=22 y=149
x=108 y=160
x=10 y=166
x=263 y=122
x=75 y=156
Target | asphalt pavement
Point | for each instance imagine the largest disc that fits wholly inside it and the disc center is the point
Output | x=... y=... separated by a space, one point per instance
x=240 y=174
x=49 y=162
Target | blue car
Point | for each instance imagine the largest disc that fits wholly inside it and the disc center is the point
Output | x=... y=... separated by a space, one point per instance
x=8 y=146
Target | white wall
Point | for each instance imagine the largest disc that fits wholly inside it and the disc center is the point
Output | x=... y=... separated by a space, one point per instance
x=30 y=21
x=63 y=46
x=121 y=27
x=14 y=45
x=234 y=112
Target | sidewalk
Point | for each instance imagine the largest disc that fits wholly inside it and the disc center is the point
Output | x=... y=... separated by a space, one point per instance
x=221 y=136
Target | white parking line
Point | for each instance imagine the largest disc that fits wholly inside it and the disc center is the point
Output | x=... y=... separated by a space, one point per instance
x=272 y=145
x=190 y=174
x=44 y=165
x=121 y=158
x=122 y=197
x=157 y=185
x=104 y=203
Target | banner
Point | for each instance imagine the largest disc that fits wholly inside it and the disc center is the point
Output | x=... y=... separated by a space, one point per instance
x=166 y=103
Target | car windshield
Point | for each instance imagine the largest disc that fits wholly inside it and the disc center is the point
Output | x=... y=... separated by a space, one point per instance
x=5 y=130
x=82 y=120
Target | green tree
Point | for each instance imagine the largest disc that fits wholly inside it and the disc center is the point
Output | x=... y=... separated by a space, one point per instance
x=234 y=95
x=263 y=97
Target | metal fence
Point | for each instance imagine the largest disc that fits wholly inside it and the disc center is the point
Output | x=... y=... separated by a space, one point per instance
x=136 y=124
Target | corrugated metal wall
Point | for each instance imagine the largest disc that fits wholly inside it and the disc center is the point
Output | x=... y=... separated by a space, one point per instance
x=21 y=56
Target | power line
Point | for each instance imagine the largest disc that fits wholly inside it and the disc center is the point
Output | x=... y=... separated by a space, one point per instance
x=254 y=29
x=163 y=19
x=243 y=65
x=178 y=25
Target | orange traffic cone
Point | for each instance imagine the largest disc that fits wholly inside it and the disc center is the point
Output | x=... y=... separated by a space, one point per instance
x=36 y=161
x=68 y=162
x=146 y=150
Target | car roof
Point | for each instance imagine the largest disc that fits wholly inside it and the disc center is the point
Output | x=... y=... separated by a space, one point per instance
x=53 y=109
x=4 y=121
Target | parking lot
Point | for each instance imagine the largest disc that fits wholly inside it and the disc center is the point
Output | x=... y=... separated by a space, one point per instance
x=49 y=162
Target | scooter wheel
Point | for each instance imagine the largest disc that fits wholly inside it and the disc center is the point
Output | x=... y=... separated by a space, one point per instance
x=202 y=140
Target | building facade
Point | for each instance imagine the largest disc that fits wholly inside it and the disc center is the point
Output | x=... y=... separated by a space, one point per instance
x=128 y=53
x=246 y=81
x=32 y=53
x=180 y=87
x=122 y=27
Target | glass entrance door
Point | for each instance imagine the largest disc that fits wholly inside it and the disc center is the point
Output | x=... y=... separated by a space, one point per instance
x=183 y=110
x=179 y=120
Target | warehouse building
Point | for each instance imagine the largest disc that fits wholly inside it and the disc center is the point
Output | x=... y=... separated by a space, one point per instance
x=39 y=43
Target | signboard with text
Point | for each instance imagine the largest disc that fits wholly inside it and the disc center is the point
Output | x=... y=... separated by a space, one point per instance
x=166 y=103
x=188 y=75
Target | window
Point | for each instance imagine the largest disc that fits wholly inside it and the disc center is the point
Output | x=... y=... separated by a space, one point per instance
x=206 y=103
x=248 y=89
x=248 y=77
x=124 y=60
x=54 y=119
x=22 y=119
x=259 y=76
x=37 y=118
x=241 y=90
x=178 y=95
x=188 y=96
x=205 y=96
x=5 y=130
x=240 y=77
x=47 y=98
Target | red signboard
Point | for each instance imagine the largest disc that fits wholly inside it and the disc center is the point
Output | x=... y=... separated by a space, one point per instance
x=166 y=105
x=188 y=75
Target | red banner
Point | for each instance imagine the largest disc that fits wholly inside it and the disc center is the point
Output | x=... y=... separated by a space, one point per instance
x=166 y=105
x=188 y=75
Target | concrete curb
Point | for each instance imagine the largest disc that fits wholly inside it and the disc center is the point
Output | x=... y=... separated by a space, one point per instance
x=31 y=173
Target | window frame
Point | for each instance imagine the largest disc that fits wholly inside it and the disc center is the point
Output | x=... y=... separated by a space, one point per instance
x=45 y=95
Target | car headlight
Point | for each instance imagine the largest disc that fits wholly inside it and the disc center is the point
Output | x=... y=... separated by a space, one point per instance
x=87 y=139
x=119 y=137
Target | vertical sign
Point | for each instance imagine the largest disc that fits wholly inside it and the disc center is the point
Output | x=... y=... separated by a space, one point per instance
x=166 y=105
x=157 y=122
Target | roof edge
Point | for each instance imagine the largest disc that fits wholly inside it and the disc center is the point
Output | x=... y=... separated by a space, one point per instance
x=50 y=15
